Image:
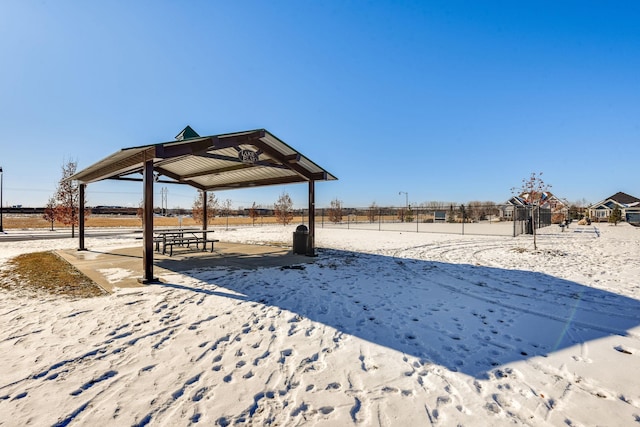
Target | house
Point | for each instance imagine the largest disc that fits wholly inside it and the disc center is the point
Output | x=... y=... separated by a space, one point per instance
x=628 y=205
x=512 y=205
x=547 y=201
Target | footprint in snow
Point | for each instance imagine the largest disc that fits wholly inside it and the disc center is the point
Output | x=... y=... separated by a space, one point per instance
x=284 y=354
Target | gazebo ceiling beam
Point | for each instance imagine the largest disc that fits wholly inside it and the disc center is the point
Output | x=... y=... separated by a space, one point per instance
x=168 y=151
x=291 y=160
x=237 y=140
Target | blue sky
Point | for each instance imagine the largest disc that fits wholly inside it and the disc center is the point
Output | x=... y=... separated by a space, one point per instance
x=445 y=100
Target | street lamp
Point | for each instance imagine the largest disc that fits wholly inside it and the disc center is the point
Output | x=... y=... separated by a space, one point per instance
x=406 y=195
x=1 y=229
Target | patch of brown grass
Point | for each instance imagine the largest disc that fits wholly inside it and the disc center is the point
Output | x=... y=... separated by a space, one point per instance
x=46 y=272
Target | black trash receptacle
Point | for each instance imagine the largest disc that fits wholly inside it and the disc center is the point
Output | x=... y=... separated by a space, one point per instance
x=529 y=226
x=300 y=239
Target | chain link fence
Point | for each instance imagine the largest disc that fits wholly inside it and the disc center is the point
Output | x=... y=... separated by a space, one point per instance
x=494 y=220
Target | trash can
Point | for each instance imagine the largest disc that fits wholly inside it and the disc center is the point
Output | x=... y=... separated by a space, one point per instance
x=300 y=239
x=529 y=226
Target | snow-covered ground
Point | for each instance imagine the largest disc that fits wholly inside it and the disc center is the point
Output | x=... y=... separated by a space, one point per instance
x=383 y=328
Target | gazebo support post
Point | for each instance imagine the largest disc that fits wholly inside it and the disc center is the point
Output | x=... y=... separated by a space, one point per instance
x=147 y=227
x=81 y=219
x=204 y=216
x=311 y=249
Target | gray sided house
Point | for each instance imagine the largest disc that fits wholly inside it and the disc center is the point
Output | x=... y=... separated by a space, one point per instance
x=628 y=205
x=548 y=201
x=511 y=206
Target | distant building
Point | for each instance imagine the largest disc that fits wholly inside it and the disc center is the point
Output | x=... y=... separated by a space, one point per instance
x=511 y=205
x=547 y=201
x=628 y=205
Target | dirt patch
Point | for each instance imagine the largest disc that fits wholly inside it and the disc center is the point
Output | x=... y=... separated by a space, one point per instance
x=46 y=272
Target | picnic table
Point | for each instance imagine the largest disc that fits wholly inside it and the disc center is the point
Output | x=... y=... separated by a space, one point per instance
x=182 y=237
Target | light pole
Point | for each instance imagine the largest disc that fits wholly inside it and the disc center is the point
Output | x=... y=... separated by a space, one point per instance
x=406 y=196
x=1 y=229
x=406 y=205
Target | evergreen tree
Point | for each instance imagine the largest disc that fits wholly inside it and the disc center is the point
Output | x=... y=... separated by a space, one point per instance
x=408 y=217
x=616 y=215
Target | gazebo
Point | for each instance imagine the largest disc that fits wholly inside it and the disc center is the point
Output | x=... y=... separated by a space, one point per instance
x=229 y=161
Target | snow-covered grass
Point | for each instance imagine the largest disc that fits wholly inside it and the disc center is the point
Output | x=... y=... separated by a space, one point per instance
x=383 y=328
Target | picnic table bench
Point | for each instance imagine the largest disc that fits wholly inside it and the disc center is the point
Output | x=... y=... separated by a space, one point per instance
x=182 y=237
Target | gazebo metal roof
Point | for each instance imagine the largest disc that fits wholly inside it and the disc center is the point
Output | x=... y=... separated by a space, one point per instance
x=218 y=162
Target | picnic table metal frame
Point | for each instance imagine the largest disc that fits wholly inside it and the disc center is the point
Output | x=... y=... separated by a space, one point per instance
x=172 y=237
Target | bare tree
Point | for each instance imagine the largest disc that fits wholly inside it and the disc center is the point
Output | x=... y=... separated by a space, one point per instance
x=50 y=211
x=226 y=209
x=372 y=212
x=493 y=208
x=474 y=211
x=253 y=213
x=140 y=212
x=284 y=209
x=335 y=211
x=198 y=207
x=463 y=213
x=401 y=214
x=533 y=190
x=435 y=205
x=579 y=209
x=68 y=198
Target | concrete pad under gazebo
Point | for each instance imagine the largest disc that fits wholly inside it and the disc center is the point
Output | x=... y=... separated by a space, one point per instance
x=121 y=268
x=212 y=163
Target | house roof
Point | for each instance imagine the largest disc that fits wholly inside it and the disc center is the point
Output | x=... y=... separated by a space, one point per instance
x=217 y=162
x=621 y=199
x=547 y=199
x=624 y=198
x=517 y=201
